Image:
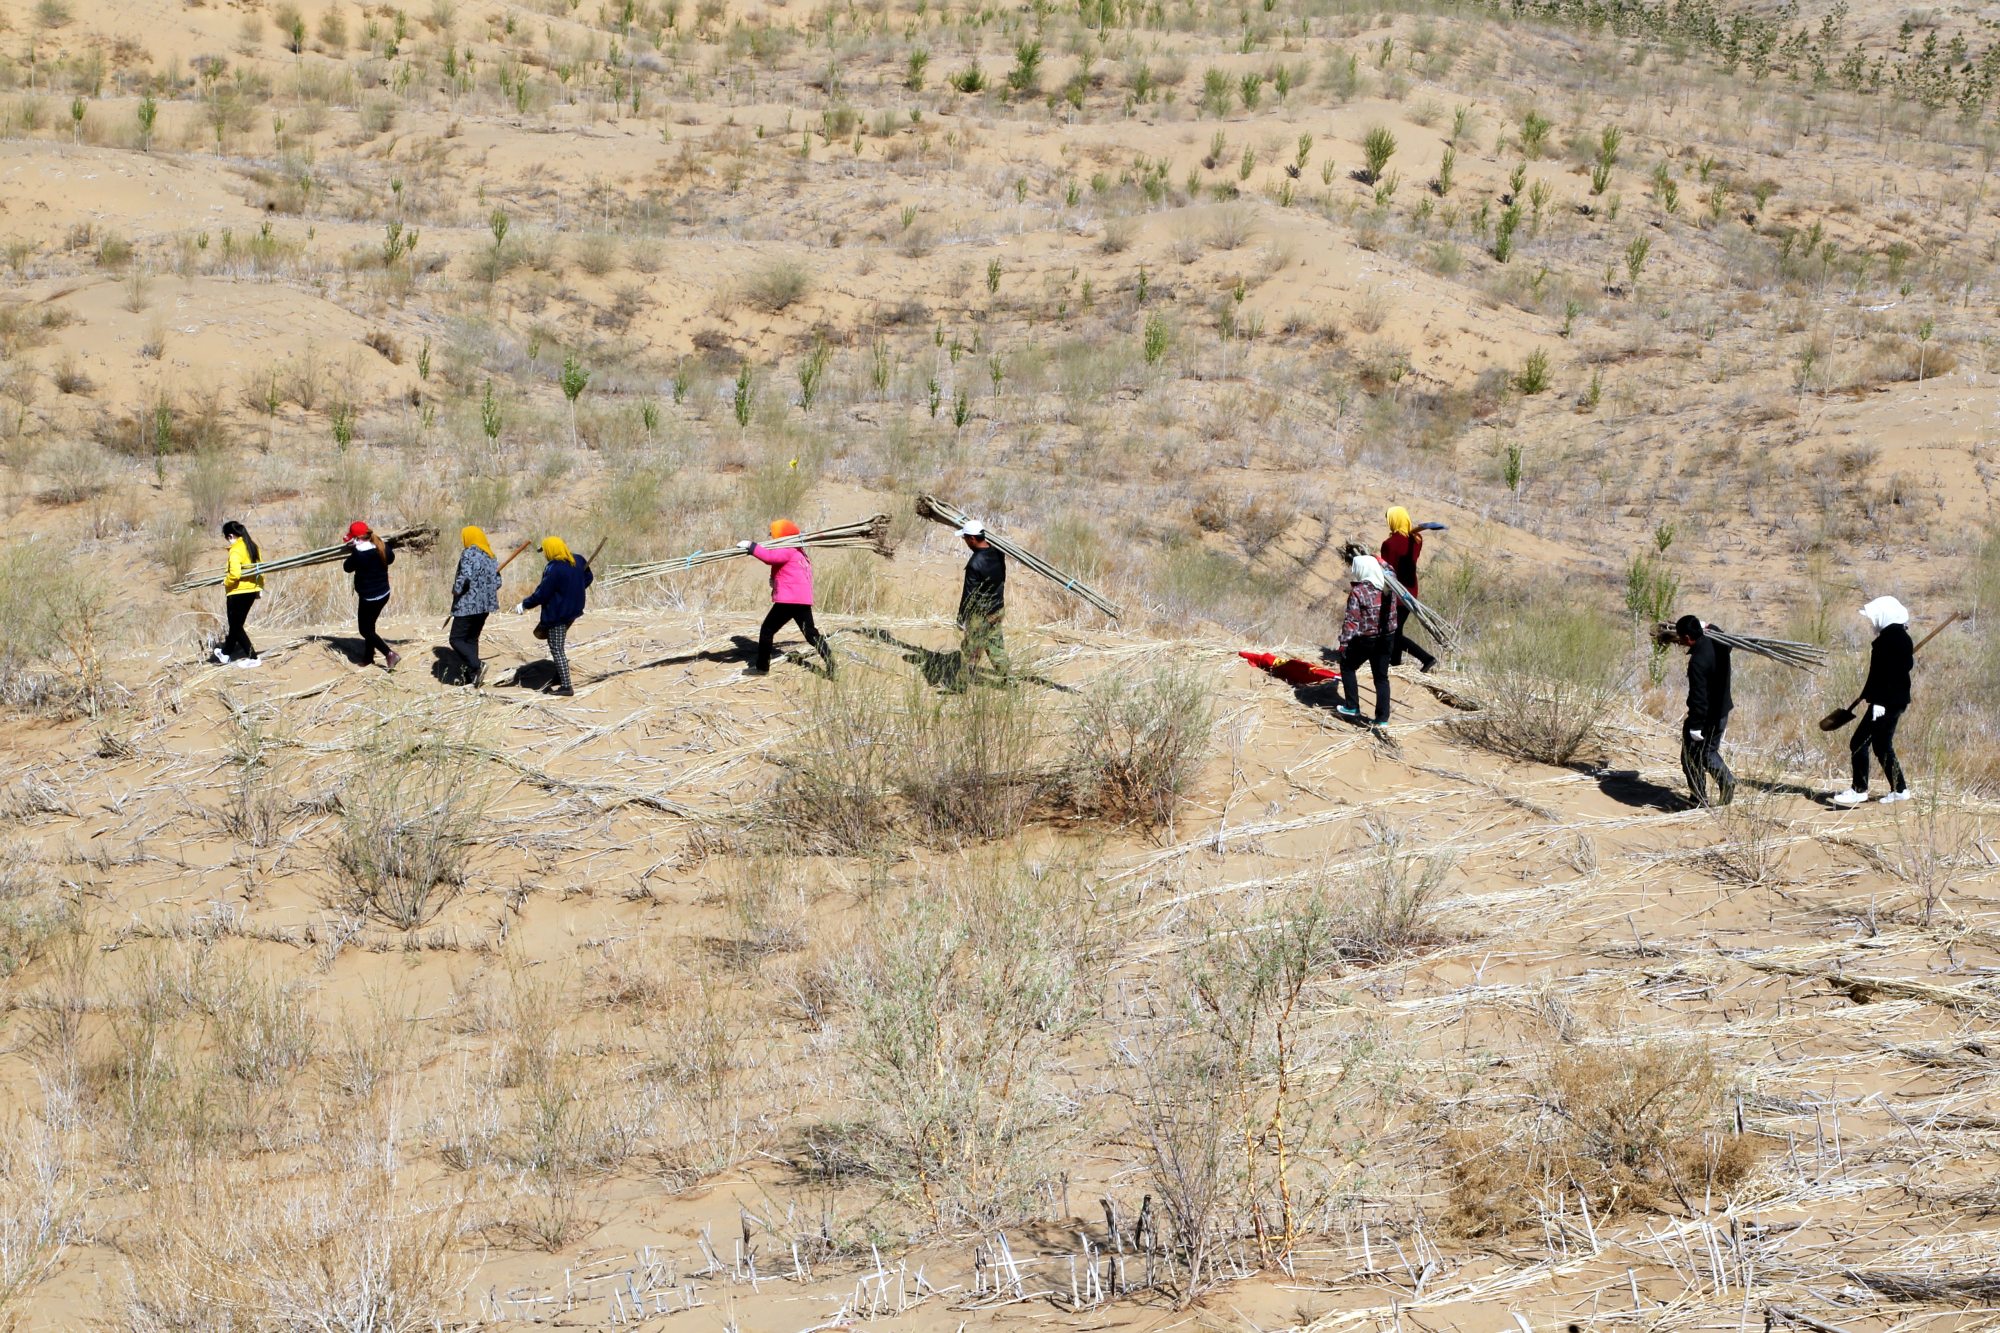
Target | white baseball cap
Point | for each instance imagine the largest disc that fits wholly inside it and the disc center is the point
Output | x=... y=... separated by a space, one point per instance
x=972 y=528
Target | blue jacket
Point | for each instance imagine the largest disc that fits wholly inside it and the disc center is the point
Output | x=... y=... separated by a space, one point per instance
x=561 y=592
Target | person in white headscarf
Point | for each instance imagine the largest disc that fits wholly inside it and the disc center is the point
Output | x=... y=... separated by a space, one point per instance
x=1884 y=696
x=1367 y=634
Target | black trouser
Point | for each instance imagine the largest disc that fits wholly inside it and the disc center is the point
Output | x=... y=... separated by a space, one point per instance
x=1699 y=758
x=465 y=632
x=1406 y=644
x=1877 y=734
x=365 y=616
x=800 y=613
x=1374 y=650
x=236 y=643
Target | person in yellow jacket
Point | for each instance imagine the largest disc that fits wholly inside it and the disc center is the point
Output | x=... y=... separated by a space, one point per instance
x=241 y=585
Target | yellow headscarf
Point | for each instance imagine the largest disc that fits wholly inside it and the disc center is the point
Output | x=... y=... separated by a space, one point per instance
x=553 y=549
x=1399 y=521
x=475 y=538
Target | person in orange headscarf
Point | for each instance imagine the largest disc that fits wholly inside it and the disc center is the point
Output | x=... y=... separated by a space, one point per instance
x=791 y=597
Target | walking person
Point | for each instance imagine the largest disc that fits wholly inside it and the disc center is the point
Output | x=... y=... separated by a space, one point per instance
x=1708 y=707
x=1400 y=552
x=560 y=595
x=982 y=607
x=368 y=560
x=241 y=586
x=1886 y=693
x=1367 y=633
x=791 y=598
x=475 y=594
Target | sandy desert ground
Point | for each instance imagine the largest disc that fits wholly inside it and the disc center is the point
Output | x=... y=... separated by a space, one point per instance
x=1145 y=993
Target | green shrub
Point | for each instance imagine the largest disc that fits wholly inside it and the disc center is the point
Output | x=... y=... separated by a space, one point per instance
x=1546 y=677
x=1136 y=746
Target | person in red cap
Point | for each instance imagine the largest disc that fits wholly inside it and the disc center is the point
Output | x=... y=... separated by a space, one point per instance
x=368 y=560
x=791 y=597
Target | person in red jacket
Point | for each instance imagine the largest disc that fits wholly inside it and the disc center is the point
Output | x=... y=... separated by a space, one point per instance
x=1400 y=553
x=791 y=597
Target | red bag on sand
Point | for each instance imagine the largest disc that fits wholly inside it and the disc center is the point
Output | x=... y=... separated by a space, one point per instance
x=1291 y=670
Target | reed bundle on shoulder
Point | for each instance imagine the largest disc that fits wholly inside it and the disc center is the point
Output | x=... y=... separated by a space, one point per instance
x=416 y=540
x=1440 y=628
x=1804 y=656
x=870 y=533
x=937 y=511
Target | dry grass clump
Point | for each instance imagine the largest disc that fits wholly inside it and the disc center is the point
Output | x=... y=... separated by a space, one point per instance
x=409 y=819
x=777 y=286
x=1136 y=746
x=962 y=996
x=42 y=1197
x=1632 y=1125
x=1546 y=676
x=54 y=629
x=223 y=1248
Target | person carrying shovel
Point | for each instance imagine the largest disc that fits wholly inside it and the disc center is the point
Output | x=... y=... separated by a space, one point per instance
x=1886 y=693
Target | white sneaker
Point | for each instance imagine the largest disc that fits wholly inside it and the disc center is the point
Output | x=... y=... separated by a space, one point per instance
x=1851 y=798
x=221 y=658
x=1893 y=797
x=247 y=662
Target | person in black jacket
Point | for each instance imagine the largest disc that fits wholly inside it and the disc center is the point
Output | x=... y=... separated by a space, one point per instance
x=982 y=605
x=1708 y=707
x=1885 y=694
x=561 y=598
x=368 y=560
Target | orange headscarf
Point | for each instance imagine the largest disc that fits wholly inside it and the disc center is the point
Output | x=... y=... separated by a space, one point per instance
x=783 y=527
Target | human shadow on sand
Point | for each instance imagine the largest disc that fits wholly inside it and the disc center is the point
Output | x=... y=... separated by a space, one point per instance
x=1628 y=787
x=945 y=670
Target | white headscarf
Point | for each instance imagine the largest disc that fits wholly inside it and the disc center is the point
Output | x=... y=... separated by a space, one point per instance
x=1884 y=612
x=1367 y=569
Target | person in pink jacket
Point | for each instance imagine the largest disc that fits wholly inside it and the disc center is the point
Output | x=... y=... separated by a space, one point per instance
x=791 y=596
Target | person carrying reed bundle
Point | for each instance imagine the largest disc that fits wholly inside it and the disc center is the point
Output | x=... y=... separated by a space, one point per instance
x=1886 y=693
x=982 y=607
x=1367 y=630
x=1400 y=552
x=368 y=560
x=791 y=597
x=241 y=586
x=560 y=595
x=475 y=595
x=1709 y=703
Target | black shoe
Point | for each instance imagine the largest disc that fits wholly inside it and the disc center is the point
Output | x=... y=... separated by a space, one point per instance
x=756 y=671
x=478 y=677
x=563 y=692
x=1429 y=666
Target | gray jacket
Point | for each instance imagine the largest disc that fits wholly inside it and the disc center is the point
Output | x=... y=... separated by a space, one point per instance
x=475 y=590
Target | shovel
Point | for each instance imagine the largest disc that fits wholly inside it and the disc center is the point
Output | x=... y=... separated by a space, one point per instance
x=1840 y=717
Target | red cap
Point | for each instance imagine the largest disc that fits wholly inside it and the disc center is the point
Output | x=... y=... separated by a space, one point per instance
x=356 y=530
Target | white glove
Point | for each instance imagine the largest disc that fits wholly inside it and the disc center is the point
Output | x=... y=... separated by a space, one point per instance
x=1880 y=710
x=1694 y=735
x=744 y=546
x=521 y=609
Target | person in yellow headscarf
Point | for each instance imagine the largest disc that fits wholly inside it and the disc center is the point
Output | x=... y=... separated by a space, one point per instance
x=561 y=598
x=1399 y=553
x=475 y=595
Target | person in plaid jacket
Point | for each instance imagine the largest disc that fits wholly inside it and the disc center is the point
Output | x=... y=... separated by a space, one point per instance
x=1367 y=634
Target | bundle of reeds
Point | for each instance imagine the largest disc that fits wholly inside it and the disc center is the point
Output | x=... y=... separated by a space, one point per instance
x=1804 y=656
x=871 y=533
x=417 y=540
x=1440 y=628
x=937 y=511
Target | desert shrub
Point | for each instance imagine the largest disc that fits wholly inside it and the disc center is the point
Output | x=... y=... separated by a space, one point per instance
x=835 y=792
x=969 y=766
x=962 y=994
x=76 y=471
x=409 y=818
x=53 y=629
x=1387 y=907
x=226 y=1244
x=212 y=481
x=42 y=1197
x=777 y=286
x=1546 y=676
x=1136 y=745
x=1629 y=1125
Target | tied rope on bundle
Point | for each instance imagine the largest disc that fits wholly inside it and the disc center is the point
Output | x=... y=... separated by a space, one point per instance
x=1804 y=656
x=937 y=511
x=417 y=540
x=871 y=533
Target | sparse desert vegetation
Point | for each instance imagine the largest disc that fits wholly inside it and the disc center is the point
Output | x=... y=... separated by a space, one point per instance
x=1138 y=989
